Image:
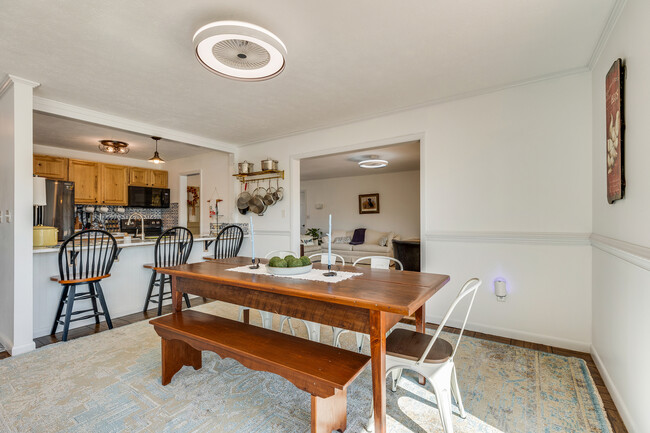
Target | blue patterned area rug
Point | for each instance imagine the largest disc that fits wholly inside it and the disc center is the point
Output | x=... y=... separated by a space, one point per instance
x=110 y=382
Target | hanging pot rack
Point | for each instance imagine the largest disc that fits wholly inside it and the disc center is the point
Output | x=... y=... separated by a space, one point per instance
x=260 y=175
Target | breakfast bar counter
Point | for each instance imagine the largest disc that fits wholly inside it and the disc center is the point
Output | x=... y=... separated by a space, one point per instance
x=125 y=290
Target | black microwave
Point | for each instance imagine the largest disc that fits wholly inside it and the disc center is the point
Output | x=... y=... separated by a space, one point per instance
x=143 y=196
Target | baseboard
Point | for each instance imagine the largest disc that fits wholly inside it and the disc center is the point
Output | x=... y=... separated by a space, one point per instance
x=613 y=391
x=531 y=337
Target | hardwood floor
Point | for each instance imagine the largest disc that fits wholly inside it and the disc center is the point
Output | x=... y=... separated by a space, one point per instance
x=612 y=413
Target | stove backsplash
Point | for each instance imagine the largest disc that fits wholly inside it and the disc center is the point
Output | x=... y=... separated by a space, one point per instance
x=169 y=216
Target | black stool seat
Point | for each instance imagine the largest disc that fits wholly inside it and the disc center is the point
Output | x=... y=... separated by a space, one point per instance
x=85 y=258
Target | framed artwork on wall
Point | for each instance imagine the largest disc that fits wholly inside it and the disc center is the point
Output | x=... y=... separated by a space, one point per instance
x=368 y=203
x=615 y=123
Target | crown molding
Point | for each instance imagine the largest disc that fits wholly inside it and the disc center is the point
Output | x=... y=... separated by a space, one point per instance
x=539 y=238
x=57 y=108
x=614 y=14
x=8 y=80
x=432 y=102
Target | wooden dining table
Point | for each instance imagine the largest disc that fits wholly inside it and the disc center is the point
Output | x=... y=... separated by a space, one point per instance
x=370 y=303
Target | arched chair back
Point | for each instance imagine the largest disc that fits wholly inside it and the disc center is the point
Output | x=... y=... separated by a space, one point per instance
x=469 y=289
x=322 y=257
x=173 y=247
x=228 y=242
x=380 y=262
x=280 y=253
x=87 y=255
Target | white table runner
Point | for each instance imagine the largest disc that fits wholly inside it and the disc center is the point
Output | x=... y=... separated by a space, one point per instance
x=313 y=275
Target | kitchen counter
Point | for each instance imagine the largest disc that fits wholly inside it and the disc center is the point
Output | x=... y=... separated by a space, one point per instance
x=121 y=244
x=125 y=290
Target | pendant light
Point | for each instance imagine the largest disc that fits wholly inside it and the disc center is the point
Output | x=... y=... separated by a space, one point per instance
x=156 y=159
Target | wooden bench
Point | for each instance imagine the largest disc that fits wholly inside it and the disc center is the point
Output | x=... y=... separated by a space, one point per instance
x=321 y=370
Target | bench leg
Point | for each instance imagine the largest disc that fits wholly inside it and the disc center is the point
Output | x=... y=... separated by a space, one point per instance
x=176 y=354
x=330 y=413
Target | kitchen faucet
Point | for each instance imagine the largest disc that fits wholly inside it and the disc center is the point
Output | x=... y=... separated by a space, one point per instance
x=138 y=214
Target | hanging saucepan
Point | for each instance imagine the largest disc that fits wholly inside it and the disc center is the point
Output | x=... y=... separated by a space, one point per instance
x=268 y=198
x=256 y=204
x=279 y=192
x=242 y=200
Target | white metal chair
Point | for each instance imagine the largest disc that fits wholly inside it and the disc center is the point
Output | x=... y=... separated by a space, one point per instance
x=323 y=258
x=380 y=262
x=431 y=357
x=376 y=262
x=267 y=317
x=313 y=328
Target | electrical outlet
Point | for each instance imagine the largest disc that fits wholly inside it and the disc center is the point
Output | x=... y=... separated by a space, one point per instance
x=8 y=216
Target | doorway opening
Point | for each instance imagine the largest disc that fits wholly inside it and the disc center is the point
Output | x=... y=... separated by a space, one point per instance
x=194 y=204
x=383 y=199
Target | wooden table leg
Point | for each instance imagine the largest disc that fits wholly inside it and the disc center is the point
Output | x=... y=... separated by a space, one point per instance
x=177 y=296
x=378 y=360
x=421 y=326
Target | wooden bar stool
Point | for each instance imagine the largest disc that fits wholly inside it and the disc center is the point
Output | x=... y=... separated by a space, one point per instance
x=173 y=248
x=84 y=258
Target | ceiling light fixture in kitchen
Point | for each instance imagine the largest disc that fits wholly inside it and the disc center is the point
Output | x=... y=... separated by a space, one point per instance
x=373 y=163
x=239 y=50
x=113 y=146
x=156 y=159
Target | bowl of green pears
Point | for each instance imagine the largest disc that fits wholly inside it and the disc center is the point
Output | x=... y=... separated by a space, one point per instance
x=288 y=265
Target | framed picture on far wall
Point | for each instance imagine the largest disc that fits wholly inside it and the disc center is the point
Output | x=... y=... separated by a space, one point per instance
x=615 y=124
x=368 y=203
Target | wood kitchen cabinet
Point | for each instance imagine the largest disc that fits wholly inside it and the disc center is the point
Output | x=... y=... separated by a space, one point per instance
x=114 y=185
x=147 y=177
x=51 y=167
x=85 y=175
x=139 y=176
x=159 y=178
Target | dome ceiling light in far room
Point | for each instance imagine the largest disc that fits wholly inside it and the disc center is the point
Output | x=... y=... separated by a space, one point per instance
x=113 y=146
x=239 y=50
x=156 y=159
x=373 y=162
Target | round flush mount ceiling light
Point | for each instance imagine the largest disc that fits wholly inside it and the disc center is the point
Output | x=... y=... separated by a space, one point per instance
x=239 y=50
x=113 y=146
x=373 y=163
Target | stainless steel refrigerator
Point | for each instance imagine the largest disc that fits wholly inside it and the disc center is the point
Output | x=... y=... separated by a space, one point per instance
x=59 y=211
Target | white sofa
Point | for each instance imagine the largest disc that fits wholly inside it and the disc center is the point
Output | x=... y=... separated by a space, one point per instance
x=370 y=247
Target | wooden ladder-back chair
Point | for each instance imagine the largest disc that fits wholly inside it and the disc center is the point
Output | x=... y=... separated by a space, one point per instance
x=84 y=258
x=173 y=248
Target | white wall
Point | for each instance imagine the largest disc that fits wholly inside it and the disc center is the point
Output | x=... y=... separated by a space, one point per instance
x=399 y=202
x=515 y=161
x=621 y=272
x=16 y=199
x=216 y=182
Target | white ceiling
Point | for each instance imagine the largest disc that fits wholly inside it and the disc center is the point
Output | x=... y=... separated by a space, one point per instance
x=77 y=135
x=400 y=157
x=346 y=60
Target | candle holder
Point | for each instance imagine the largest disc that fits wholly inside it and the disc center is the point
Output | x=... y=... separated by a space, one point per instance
x=255 y=265
x=330 y=272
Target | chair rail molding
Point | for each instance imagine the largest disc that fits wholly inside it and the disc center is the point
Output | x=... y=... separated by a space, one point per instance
x=273 y=232
x=632 y=253
x=542 y=238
